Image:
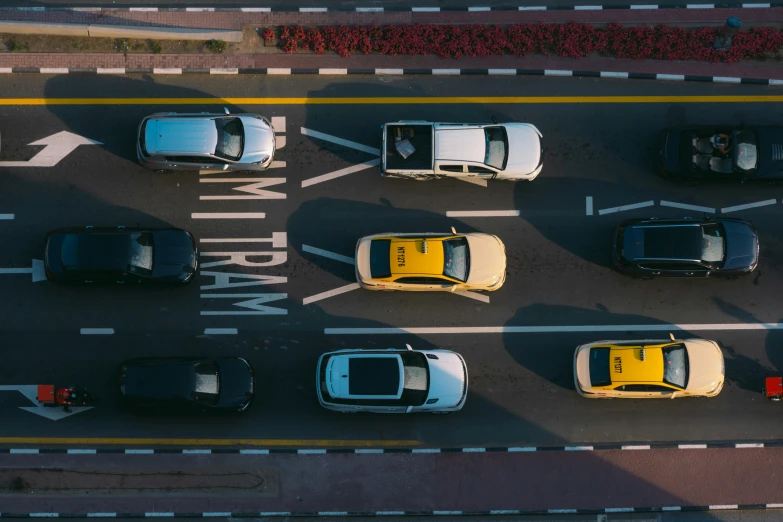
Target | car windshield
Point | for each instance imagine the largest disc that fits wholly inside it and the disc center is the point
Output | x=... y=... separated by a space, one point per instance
x=497 y=147
x=746 y=154
x=713 y=244
x=456 y=259
x=416 y=385
x=231 y=138
x=141 y=253
x=675 y=365
x=206 y=384
x=599 y=367
x=380 y=262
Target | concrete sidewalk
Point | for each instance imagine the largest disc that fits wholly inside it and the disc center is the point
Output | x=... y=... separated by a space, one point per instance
x=551 y=481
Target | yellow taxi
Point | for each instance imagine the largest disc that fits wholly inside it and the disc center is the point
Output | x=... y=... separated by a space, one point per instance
x=649 y=369
x=431 y=262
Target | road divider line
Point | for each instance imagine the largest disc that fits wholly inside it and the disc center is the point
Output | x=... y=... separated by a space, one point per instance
x=97 y=331
x=340 y=173
x=482 y=213
x=633 y=206
x=697 y=208
x=330 y=293
x=279 y=240
x=6 y=216
x=589 y=205
x=329 y=255
x=220 y=331
x=190 y=443
x=666 y=327
x=340 y=141
x=228 y=215
x=473 y=295
x=757 y=204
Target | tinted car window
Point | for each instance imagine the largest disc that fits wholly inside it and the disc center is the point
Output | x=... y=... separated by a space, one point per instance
x=416 y=385
x=206 y=385
x=380 y=262
x=141 y=251
x=231 y=138
x=675 y=365
x=713 y=244
x=456 y=259
x=497 y=147
x=422 y=281
x=746 y=155
x=451 y=168
x=599 y=367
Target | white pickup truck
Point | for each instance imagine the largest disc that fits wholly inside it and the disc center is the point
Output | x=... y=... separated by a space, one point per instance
x=425 y=150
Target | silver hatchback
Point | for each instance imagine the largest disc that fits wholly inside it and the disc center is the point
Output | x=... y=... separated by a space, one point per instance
x=180 y=141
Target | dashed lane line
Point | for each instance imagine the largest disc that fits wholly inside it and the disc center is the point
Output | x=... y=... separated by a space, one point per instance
x=623 y=328
x=340 y=141
x=220 y=331
x=329 y=255
x=749 y=205
x=6 y=216
x=589 y=205
x=340 y=173
x=331 y=293
x=190 y=443
x=697 y=208
x=97 y=331
x=633 y=206
x=228 y=215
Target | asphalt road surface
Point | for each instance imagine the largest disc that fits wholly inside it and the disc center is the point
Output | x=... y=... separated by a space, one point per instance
x=521 y=383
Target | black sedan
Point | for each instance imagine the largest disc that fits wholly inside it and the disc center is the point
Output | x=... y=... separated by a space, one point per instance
x=647 y=248
x=722 y=153
x=120 y=255
x=178 y=384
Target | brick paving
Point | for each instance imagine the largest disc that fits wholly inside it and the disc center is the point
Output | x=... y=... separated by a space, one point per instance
x=410 y=482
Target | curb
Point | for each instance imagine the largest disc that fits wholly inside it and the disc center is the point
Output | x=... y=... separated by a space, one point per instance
x=492 y=512
x=477 y=9
x=388 y=72
x=381 y=451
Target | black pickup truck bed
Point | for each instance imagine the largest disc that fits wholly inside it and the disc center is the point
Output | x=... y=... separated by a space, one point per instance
x=420 y=136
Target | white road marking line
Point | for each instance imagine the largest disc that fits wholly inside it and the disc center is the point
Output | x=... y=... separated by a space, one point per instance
x=666 y=327
x=509 y=72
x=330 y=293
x=54 y=70
x=749 y=205
x=340 y=173
x=726 y=79
x=697 y=208
x=389 y=71
x=278 y=70
x=23 y=451
x=482 y=213
x=254 y=452
x=16 y=270
x=425 y=450
x=505 y=512
x=425 y=9
x=651 y=6
x=560 y=511
x=589 y=205
x=749 y=445
x=196 y=452
x=277 y=242
x=724 y=506
x=341 y=141
x=139 y=451
x=278 y=124
x=671 y=508
x=223 y=70
x=774 y=506
x=618 y=510
x=44 y=515
x=610 y=74
x=166 y=70
x=110 y=70
x=776 y=82
x=473 y=295
x=390 y=513
x=97 y=331
x=220 y=331
x=670 y=77
x=105 y=515
x=75 y=451
x=522 y=449
x=636 y=447
x=369 y=9
x=578 y=448
x=691 y=446
x=327 y=254
x=311 y=452
x=588 y=8
x=332 y=71
x=227 y=215
x=533 y=8
x=756 y=6
x=254 y=10
x=557 y=72
x=446 y=72
x=476 y=181
x=474 y=450
x=633 y=206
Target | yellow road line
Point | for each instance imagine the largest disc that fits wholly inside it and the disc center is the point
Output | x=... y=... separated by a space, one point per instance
x=394 y=100
x=292 y=443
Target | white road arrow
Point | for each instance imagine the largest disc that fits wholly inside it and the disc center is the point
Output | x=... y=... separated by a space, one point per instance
x=57 y=147
x=31 y=392
x=37 y=270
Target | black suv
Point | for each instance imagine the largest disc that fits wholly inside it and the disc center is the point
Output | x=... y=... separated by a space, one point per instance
x=647 y=248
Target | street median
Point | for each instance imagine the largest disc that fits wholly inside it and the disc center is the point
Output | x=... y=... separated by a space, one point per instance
x=118 y=31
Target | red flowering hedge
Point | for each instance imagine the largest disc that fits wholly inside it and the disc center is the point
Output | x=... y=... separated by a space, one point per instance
x=571 y=40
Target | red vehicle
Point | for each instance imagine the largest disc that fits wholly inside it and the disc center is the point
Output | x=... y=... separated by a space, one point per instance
x=67 y=396
x=773 y=388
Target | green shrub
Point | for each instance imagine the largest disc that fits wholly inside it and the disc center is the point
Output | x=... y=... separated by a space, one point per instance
x=15 y=46
x=154 y=46
x=216 y=46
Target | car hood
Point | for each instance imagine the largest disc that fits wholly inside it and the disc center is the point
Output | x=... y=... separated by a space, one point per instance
x=174 y=254
x=52 y=254
x=706 y=367
x=524 y=149
x=448 y=377
x=742 y=245
x=259 y=140
x=582 y=367
x=487 y=259
x=236 y=383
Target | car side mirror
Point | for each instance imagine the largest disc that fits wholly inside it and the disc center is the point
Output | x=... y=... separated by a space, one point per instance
x=408 y=346
x=454 y=231
x=408 y=409
x=226 y=110
x=671 y=336
x=225 y=166
x=674 y=394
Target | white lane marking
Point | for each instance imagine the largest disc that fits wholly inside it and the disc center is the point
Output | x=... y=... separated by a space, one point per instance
x=312 y=9
x=446 y=72
x=691 y=446
x=588 y=8
x=618 y=510
x=254 y=452
x=671 y=508
x=636 y=447
x=650 y=6
x=110 y=70
x=332 y=513
x=749 y=205
x=200 y=9
x=666 y=327
x=633 y=206
x=369 y=9
x=505 y=512
x=227 y=215
x=522 y=449
x=332 y=71
x=53 y=70
x=700 y=6
x=223 y=70
x=533 y=8
x=482 y=213
x=776 y=82
x=255 y=10
x=474 y=450
x=330 y=293
x=327 y=254
x=390 y=513
x=105 y=515
x=220 y=331
x=197 y=452
x=278 y=70
x=425 y=450
x=724 y=506
x=674 y=204
x=389 y=71
x=82 y=452
x=44 y=515
x=578 y=448
x=557 y=72
x=509 y=72
x=16 y=270
x=477 y=9
x=560 y=511
x=726 y=79
x=97 y=331
x=278 y=240
x=139 y=452
x=425 y=9
x=756 y=6
x=311 y=452
x=670 y=77
x=166 y=70
x=473 y=295
x=774 y=506
x=610 y=74
x=749 y=445
x=589 y=205
x=278 y=124
x=476 y=181
x=23 y=451
x=340 y=173
x=340 y=141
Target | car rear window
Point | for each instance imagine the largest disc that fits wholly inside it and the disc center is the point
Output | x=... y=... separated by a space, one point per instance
x=456 y=259
x=380 y=262
x=675 y=365
x=713 y=243
x=746 y=156
x=141 y=253
x=206 y=385
x=599 y=367
x=231 y=138
x=497 y=147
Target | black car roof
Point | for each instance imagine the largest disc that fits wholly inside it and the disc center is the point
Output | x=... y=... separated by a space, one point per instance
x=373 y=376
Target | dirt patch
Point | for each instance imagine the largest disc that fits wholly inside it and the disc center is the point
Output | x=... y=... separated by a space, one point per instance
x=38 y=43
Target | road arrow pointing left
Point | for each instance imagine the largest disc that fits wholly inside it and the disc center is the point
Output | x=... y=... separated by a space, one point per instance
x=37 y=270
x=57 y=146
x=31 y=392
